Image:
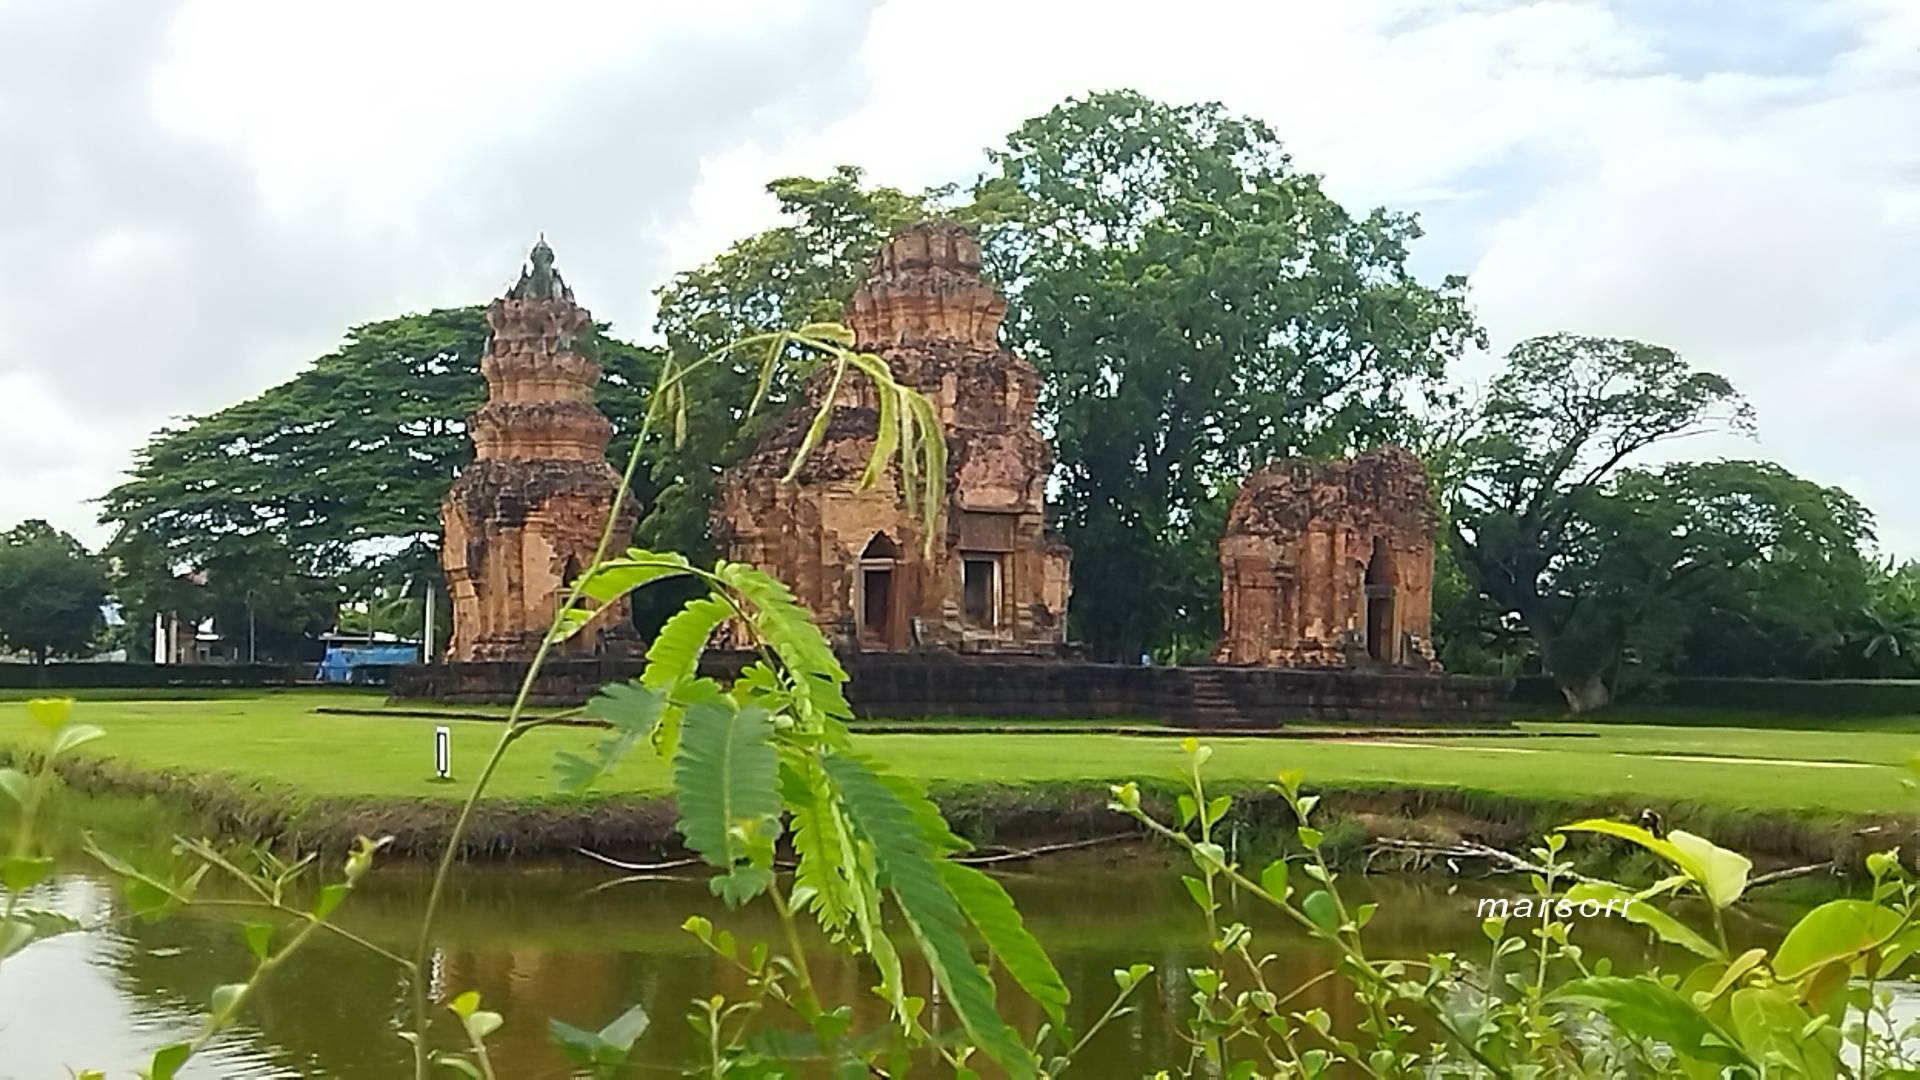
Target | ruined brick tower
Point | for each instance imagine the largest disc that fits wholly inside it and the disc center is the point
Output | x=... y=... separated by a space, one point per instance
x=997 y=579
x=1330 y=565
x=525 y=517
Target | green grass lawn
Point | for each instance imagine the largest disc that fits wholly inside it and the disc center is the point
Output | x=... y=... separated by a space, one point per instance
x=276 y=739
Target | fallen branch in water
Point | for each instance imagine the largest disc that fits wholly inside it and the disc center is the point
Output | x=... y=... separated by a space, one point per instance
x=1468 y=849
x=965 y=860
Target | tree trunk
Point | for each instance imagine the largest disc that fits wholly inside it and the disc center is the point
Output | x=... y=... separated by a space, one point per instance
x=1585 y=694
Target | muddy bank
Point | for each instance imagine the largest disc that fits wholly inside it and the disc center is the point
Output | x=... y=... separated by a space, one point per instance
x=992 y=817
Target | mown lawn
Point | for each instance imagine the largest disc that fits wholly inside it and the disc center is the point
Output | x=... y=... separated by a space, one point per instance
x=277 y=739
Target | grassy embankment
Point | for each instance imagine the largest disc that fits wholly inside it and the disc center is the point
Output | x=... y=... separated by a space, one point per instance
x=268 y=762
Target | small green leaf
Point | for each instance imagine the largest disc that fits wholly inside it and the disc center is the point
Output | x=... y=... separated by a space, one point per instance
x=482 y=1023
x=1320 y=907
x=329 y=899
x=464 y=1004
x=226 y=997
x=458 y=1064
x=50 y=713
x=259 y=936
x=74 y=736
x=1310 y=837
x=15 y=786
x=1274 y=879
x=167 y=1061
x=22 y=872
x=625 y=1028
x=1129 y=977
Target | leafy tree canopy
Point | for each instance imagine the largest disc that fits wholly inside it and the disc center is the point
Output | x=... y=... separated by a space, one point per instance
x=335 y=475
x=51 y=592
x=1731 y=567
x=1198 y=306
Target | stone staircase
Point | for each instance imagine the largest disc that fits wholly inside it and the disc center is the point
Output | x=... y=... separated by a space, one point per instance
x=1211 y=705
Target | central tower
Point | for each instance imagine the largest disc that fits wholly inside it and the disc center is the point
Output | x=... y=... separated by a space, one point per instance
x=524 y=519
x=996 y=579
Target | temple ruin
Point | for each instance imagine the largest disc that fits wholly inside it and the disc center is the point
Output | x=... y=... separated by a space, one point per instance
x=1330 y=565
x=524 y=519
x=996 y=579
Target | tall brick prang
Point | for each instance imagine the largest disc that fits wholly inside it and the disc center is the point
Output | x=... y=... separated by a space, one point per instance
x=996 y=579
x=526 y=516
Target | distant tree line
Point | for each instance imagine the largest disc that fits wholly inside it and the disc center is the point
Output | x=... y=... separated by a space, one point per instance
x=1197 y=305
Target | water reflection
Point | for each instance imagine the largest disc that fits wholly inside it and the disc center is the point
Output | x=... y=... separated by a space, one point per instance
x=541 y=942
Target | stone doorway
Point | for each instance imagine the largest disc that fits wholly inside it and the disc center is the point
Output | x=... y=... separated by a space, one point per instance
x=1379 y=587
x=980 y=590
x=877 y=600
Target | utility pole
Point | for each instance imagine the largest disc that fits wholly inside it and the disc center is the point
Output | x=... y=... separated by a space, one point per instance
x=426 y=640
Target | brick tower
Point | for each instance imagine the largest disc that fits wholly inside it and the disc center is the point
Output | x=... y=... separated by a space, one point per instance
x=525 y=517
x=996 y=578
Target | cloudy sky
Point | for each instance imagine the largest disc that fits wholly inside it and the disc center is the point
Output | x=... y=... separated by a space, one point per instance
x=198 y=197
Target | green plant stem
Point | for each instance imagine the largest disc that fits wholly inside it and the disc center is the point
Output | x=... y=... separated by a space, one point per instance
x=1357 y=960
x=1113 y=1010
x=217 y=1022
x=811 y=1000
x=310 y=918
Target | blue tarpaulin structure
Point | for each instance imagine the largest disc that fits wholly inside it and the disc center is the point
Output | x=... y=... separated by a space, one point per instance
x=363 y=663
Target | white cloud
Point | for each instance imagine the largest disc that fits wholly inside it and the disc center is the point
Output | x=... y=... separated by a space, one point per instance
x=214 y=191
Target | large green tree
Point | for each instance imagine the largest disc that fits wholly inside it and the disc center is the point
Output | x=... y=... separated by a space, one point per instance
x=1199 y=305
x=51 y=592
x=1689 y=567
x=335 y=476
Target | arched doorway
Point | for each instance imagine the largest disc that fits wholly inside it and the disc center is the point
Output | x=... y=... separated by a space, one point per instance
x=878 y=562
x=1381 y=638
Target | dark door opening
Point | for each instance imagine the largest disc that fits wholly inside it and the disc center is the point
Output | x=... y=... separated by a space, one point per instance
x=1379 y=589
x=877 y=563
x=876 y=589
x=977 y=589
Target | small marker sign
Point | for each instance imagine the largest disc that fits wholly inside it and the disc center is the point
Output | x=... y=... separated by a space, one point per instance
x=443 y=753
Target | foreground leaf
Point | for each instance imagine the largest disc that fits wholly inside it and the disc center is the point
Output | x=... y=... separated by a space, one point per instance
x=1836 y=930
x=994 y=915
x=1634 y=910
x=910 y=869
x=724 y=781
x=1646 y=1008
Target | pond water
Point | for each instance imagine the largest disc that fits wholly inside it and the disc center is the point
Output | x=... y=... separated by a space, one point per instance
x=557 y=941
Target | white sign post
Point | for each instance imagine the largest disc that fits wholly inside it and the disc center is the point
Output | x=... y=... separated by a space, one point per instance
x=443 y=753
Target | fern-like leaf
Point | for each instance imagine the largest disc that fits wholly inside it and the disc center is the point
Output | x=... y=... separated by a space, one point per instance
x=614 y=578
x=822 y=876
x=724 y=781
x=994 y=915
x=789 y=630
x=634 y=713
x=910 y=868
x=674 y=656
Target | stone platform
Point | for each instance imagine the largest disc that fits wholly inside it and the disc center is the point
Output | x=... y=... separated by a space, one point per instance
x=901 y=686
